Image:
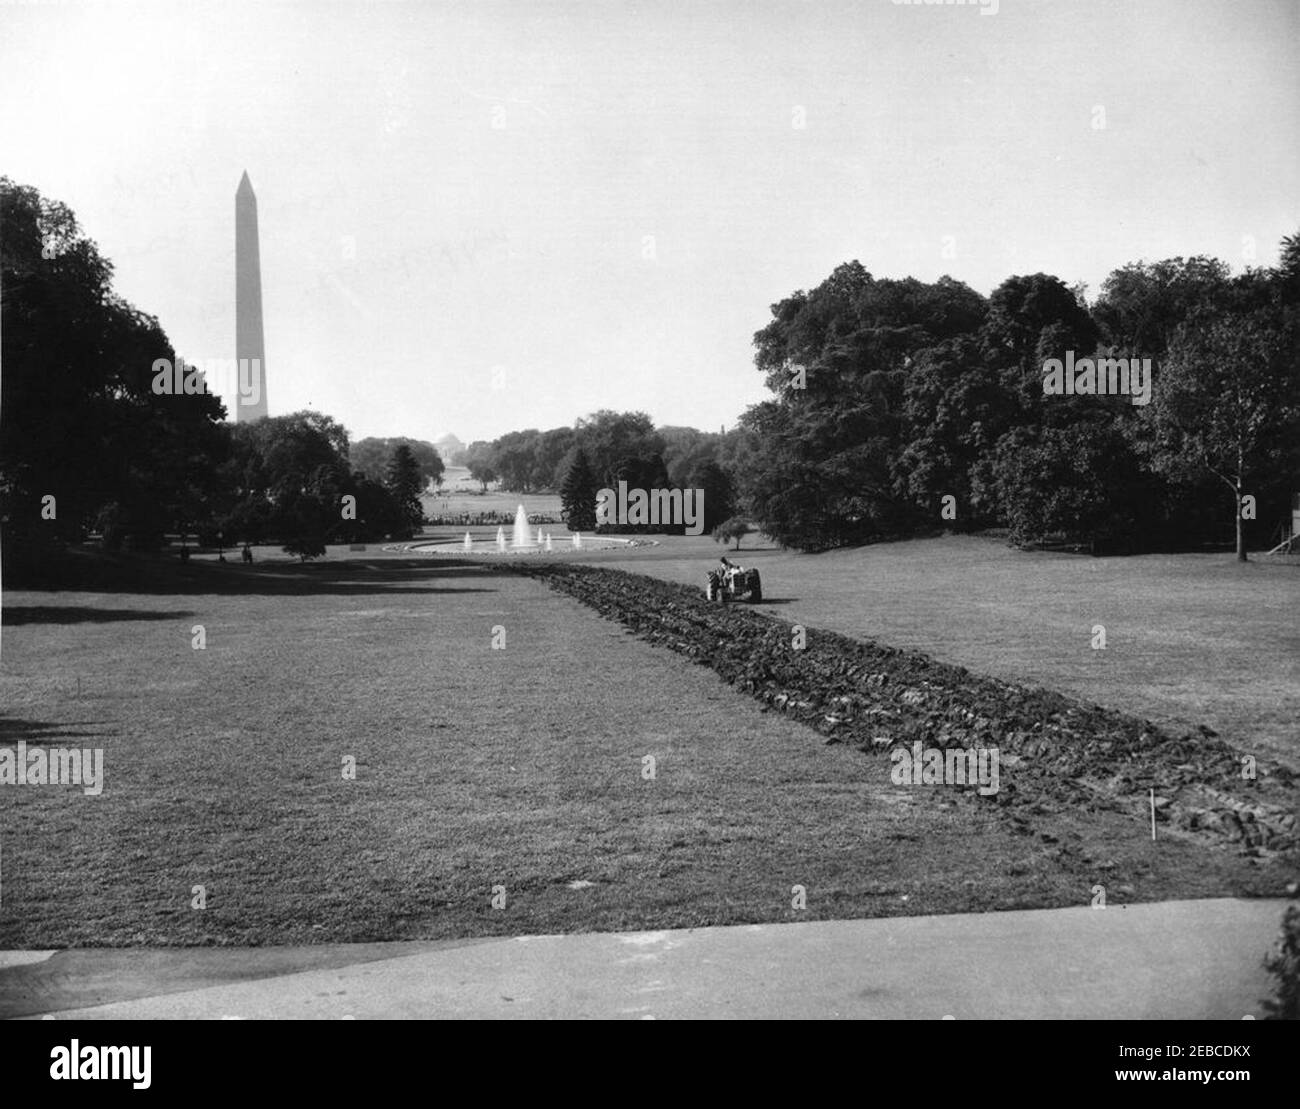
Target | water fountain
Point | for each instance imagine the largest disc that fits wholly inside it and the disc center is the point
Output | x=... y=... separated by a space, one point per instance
x=523 y=540
x=521 y=537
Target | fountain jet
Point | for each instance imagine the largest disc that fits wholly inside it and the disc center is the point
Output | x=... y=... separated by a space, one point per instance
x=521 y=538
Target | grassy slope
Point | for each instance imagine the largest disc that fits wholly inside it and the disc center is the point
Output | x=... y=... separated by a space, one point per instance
x=1191 y=639
x=477 y=767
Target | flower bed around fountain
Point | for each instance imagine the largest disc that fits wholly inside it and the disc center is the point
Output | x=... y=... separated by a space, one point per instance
x=523 y=541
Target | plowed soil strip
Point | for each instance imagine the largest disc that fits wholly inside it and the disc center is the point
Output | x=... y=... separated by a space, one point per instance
x=1052 y=748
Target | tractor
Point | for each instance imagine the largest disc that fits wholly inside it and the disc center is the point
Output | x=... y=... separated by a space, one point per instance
x=733 y=583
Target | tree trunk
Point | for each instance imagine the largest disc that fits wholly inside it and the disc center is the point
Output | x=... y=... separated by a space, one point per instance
x=1241 y=530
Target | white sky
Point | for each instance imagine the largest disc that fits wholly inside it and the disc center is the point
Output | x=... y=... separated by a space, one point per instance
x=410 y=248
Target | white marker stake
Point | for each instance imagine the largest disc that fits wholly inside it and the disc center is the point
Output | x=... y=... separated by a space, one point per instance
x=1153 y=815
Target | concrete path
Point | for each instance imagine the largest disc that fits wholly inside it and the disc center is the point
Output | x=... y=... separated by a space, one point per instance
x=1181 y=960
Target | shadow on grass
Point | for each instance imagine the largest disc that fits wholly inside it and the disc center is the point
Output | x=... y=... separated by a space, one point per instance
x=37 y=732
x=73 y=614
x=91 y=572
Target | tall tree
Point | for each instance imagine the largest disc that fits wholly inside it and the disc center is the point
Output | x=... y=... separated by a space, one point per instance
x=609 y=438
x=686 y=449
x=310 y=515
x=955 y=407
x=286 y=479
x=550 y=456
x=719 y=494
x=379 y=516
x=1079 y=483
x=1227 y=401
x=820 y=470
x=1142 y=304
x=405 y=483
x=1288 y=270
x=578 y=492
x=372 y=456
x=85 y=433
x=478 y=460
x=514 y=457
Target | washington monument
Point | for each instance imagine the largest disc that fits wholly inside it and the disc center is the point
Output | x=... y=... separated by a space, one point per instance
x=250 y=402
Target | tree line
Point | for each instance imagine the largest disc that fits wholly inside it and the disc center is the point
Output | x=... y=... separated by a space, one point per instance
x=598 y=452
x=898 y=407
x=88 y=446
x=901 y=407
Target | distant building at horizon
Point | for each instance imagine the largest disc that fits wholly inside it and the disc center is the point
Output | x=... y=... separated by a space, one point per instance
x=450 y=449
x=250 y=346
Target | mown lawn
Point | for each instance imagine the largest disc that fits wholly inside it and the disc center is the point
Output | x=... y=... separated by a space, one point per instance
x=520 y=768
x=1191 y=639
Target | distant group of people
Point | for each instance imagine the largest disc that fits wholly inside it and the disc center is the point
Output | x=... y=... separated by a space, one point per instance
x=484 y=519
x=246 y=556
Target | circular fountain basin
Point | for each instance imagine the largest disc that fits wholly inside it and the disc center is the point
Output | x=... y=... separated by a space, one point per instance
x=523 y=540
x=559 y=545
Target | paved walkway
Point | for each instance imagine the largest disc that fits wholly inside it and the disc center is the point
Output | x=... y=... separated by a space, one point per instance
x=1181 y=960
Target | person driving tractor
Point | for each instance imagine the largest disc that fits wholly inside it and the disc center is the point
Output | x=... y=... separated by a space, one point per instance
x=730 y=581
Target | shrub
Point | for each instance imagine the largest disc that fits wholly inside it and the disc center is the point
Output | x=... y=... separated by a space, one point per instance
x=734 y=528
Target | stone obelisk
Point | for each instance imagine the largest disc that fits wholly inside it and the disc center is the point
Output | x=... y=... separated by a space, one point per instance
x=250 y=402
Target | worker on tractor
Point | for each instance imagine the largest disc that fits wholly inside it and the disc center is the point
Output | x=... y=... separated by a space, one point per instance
x=716 y=590
x=730 y=582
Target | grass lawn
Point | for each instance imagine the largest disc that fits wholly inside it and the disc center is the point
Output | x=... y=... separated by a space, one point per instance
x=476 y=768
x=461 y=493
x=1190 y=639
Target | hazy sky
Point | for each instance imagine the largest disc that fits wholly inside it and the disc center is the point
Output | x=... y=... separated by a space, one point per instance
x=479 y=217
